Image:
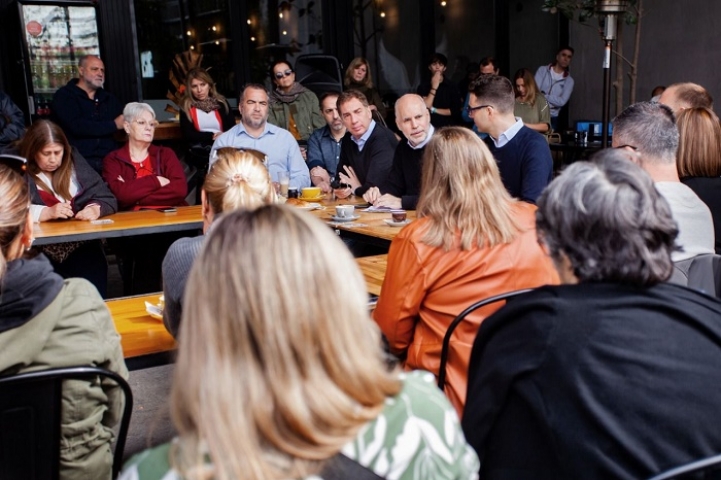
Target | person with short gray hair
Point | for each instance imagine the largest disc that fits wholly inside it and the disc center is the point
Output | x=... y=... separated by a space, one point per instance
x=576 y=380
x=648 y=132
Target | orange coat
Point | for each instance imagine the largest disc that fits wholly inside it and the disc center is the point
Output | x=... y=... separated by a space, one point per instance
x=426 y=287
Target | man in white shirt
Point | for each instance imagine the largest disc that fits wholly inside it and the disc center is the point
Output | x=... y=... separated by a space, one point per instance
x=648 y=132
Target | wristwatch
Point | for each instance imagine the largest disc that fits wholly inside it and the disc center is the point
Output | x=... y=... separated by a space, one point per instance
x=433 y=110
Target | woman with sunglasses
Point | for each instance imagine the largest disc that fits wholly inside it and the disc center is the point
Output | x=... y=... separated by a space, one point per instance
x=141 y=174
x=292 y=106
x=47 y=322
x=64 y=186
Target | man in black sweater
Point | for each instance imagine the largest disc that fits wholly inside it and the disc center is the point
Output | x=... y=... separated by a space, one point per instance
x=401 y=188
x=523 y=157
x=366 y=151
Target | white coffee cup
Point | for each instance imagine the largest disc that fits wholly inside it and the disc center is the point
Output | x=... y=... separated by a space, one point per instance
x=344 y=211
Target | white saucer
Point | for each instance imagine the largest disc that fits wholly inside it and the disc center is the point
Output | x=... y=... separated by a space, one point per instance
x=345 y=219
x=391 y=223
x=309 y=206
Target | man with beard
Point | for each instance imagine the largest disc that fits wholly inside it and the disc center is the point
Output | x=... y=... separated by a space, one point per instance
x=88 y=114
x=255 y=132
x=324 y=143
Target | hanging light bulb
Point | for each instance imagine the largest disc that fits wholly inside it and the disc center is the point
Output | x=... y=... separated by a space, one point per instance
x=383 y=14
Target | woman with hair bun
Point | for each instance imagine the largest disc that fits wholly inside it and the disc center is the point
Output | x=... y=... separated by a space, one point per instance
x=238 y=179
x=47 y=322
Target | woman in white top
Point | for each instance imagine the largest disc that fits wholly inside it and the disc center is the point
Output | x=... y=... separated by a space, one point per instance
x=63 y=186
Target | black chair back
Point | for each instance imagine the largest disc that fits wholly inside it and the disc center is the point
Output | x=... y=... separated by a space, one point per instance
x=707 y=468
x=456 y=321
x=319 y=73
x=30 y=415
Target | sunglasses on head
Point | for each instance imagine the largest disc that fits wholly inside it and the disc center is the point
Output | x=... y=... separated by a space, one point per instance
x=14 y=162
x=286 y=73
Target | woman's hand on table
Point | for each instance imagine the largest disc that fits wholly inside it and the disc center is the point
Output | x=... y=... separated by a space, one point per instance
x=59 y=211
x=163 y=181
x=90 y=212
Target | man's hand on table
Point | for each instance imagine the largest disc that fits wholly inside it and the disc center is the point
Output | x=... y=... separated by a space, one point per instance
x=389 y=201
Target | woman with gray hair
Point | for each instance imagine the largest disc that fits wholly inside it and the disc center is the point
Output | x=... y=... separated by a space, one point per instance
x=141 y=174
x=594 y=378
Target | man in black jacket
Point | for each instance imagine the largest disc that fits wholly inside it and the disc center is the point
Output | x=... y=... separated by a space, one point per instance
x=401 y=188
x=87 y=113
x=366 y=151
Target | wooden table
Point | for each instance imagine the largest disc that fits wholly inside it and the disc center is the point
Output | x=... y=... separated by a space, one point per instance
x=369 y=228
x=125 y=224
x=145 y=341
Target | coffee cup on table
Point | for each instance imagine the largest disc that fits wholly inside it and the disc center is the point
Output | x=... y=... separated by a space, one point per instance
x=344 y=211
x=310 y=192
x=398 y=215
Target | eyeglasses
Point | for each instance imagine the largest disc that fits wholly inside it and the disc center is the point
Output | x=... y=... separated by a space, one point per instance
x=470 y=110
x=287 y=73
x=15 y=163
x=143 y=124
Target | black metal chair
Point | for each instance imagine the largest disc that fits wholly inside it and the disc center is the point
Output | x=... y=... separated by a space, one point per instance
x=456 y=321
x=702 y=272
x=319 y=73
x=30 y=415
x=707 y=468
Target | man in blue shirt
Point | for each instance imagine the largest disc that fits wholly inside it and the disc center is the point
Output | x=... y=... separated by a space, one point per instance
x=324 y=143
x=255 y=132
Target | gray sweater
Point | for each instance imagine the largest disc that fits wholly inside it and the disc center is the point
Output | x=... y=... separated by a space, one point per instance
x=176 y=267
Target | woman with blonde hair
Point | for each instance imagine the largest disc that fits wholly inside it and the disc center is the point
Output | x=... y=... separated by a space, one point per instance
x=47 y=322
x=472 y=240
x=531 y=105
x=358 y=77
x=699 y=159
x=280 y=377
x=238 y=179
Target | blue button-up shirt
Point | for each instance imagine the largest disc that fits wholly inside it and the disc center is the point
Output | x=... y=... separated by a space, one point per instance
x=277 y=143
x=323 y=150
x=364 y=138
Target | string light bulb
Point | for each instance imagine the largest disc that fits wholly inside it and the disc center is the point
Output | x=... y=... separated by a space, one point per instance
x=383 y=14
x=443 y=3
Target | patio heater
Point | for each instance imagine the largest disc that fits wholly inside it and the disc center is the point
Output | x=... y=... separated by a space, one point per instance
x=610 y=9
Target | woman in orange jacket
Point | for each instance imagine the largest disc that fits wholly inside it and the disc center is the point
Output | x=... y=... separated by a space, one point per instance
x=471 y=241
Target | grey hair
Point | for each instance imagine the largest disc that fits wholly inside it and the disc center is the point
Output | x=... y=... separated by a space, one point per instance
x=607 y=218
x=649 y=127
x=409 y=96
x=134 y=109
x=251 y=86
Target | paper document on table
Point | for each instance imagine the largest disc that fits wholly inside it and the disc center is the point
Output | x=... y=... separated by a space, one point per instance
x=372 y=209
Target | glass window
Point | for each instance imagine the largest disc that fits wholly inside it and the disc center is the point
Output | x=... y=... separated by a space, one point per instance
x=294 y=29
x=166 y=28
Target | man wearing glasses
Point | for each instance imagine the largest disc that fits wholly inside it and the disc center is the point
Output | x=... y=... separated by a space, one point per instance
x=88 y=114
x=523 y=157
x=648 y=132
x=256 y=133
